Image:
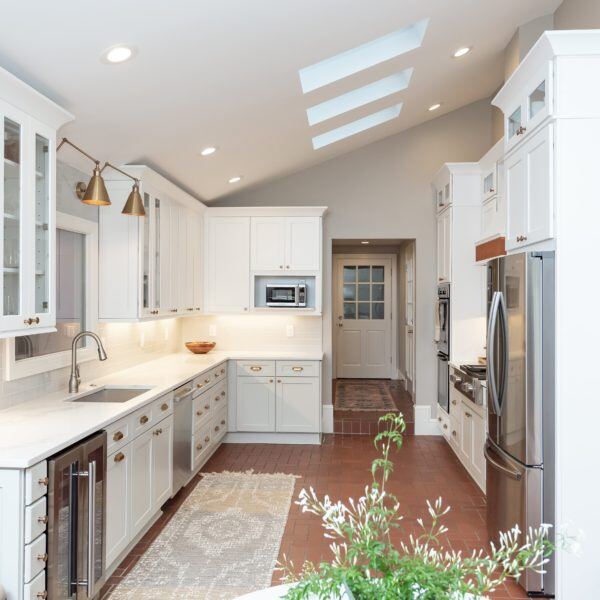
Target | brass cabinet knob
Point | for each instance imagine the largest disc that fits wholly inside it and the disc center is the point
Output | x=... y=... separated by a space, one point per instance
x=143 y=419
x=281 y=266
x=199 y=413
x=42 y=557
x=164 y=406
x=445 y=426
x=440 y=419
x=222 y=371
x=454 y=432
x=198 y=446
x=216 y=428
x=43 y=519
x=217 y=398
x=270 y=381
x=119 y=456
x=454 y=402
x=223 y=422
x=279 y=381
x=189 y=309
x=36 y=320
x=468 y=414
x=216 y=375
x=207 y=406
x=223 y=393
x=157 y=431
x=198 y=385
x=44 y=481
x=173 y=310
x=287 y=266
x=28 y=321
x=207 y=439
x=207 y=381
x=118 y=436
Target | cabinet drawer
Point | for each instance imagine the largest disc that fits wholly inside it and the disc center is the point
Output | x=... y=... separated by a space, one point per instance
x=201 y=409
x=118 y=434
x=163 y=407
x=299 y=368
x=256 y=368
x=35 y=589
x=219 y=373
x=143 y=419
x=454 y=437
x=201 y=444
x=219 y=426
x=443 y=422
x=36 y=482
x=35 y=558
x=218 y=397
x=203 y=381
x=36 y=518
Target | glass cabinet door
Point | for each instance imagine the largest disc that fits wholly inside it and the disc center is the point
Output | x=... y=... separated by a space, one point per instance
x=12 y=218
x=156 y=283
x=146 y=257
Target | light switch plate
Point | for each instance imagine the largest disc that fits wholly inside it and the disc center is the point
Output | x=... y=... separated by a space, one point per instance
x=289 y=330
x=212 y=331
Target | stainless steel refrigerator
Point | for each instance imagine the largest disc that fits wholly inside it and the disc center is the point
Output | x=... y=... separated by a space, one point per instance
x=519 y=449
x=76 y=525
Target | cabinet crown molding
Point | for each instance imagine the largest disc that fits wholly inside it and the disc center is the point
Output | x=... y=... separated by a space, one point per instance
x=266 y=211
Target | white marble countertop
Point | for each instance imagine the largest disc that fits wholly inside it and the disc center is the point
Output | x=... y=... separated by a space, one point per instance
x=36 y=429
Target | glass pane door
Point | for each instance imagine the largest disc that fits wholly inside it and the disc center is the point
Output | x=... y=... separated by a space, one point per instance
x=42 y=224
x=12 y=209
x=146 y=256
x=157 y=243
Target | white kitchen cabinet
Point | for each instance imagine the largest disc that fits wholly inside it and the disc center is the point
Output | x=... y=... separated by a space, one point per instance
x=141 y=481
x=118 y=501
x=529 y=190
x=227 y=252
x=466 y=434
x=195 y=242
x=297 y=404
x=145 y=263
x=255 y=404
x=285 y=244
x=444 y=246
x=28 y=208
x=162 y=462
x=477 y=462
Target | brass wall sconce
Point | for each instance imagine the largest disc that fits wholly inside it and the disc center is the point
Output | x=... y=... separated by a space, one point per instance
x=95 y=191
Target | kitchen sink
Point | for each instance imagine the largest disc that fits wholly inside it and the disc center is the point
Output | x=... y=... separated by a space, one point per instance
x=113 y=394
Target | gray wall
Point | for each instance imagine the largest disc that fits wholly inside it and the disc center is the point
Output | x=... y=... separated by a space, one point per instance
x=383 y=191
x=578 y=14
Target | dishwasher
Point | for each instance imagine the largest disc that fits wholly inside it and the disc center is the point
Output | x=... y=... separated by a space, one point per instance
x=182 y=435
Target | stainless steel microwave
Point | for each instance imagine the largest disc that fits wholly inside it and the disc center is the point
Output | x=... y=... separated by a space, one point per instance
x=286 y=295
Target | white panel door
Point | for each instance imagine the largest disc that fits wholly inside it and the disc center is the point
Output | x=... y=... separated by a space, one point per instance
x=303 y=244
x=118 y=499
x=516 y=202
x=268 y=245
x=195 y=243
x=175 y=258
x=478 y=441
x=164 y=251
x=162 y=462
x=228 y=264
x=466 y=435
x=141 y=481
x=255 y=404
x=298 y=404
x=363 y=317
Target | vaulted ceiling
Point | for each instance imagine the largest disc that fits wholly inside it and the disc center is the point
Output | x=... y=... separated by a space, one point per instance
x=225 y=73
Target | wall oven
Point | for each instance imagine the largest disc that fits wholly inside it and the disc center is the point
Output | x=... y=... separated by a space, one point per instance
x=77 y=520
x=281 y=294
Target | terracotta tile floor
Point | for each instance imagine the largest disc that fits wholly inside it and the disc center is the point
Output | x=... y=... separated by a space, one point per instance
x=425 y=468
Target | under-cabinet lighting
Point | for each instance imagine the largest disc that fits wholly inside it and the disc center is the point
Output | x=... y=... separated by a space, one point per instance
x=365 y=242
x=350 y=129
x=362 y=57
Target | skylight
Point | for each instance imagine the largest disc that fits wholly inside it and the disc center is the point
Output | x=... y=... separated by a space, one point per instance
x=362 y=57
x=345 y=131
x=359 y=97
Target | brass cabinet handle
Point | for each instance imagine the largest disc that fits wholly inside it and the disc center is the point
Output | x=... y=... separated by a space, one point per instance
x=36 y=320
x=216 y=428
x=270 y=381
x=164 y=406
x=118 y=436
x=28 y=321
x=217 y=398
x=468 y=414
x=198 y=446
x=119 y=456
x=143 y=419
x=222 y=371
x=207 y=439
x=153 y=312
x=445 y=426
x=199 y=413
x=44 y=481
x=279 y=381
x=173 y=310
x=216 y=375
x=454 y=432
x=207 y=406
x=521 y=130
x=255 y=368
x=198 y=385
x=207 y=381
x=43 y=519
x=440 y=419
x=189 y=309
x=223 y=422
x=42 y=557
x=454 y=402
x=157 y=431
x=43 y=594
x=223 y=394
x=521 y=238
x=298 y=369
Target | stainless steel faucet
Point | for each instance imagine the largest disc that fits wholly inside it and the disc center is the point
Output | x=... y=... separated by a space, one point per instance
x=75 y=380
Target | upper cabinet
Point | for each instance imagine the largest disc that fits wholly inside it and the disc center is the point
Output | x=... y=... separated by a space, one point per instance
x=285 y=244
x=150 y=267
x=28 y=208
x=493 y=212
x=456 y=184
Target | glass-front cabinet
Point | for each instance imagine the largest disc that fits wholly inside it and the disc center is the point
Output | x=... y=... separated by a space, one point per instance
x=27 y=224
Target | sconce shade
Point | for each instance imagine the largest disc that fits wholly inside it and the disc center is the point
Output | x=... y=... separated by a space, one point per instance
x=134 y=205
x=96 y=193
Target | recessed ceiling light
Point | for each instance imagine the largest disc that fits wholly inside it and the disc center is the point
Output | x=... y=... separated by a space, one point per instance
x=365 y=242
x=434 y=106
x=118 y=54
x=235 y=179
x=461 y=52
x=208 y=151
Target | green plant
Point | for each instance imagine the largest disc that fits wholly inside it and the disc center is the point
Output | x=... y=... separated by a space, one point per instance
x=366 y=565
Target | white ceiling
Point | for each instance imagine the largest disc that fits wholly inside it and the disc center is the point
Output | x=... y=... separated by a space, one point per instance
x=225 y=73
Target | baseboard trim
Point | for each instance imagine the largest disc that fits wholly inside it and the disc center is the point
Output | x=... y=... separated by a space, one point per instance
x=240 y=437
x=424 y=424
x=327 y=421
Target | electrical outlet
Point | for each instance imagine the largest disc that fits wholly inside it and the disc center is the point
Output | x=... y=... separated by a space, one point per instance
x=289 y=330
x=212 y=331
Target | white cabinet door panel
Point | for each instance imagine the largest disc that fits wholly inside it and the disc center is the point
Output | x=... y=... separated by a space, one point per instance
x=298 y=404
x=141 y=482
x=118 y=498
x=515 y=198
x=303 y=243
x=268 y=243
x=255 y=404
x=162 y=462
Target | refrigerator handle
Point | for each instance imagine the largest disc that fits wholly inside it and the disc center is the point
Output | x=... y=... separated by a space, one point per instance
x=91 y=549
x=513 y=474
x=504 y=323
x=73 y=526
x=491 y=358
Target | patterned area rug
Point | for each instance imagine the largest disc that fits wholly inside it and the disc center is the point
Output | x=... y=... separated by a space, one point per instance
x=364 y=395
x=222 y=542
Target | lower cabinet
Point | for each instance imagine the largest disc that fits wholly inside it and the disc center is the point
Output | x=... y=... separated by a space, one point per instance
x=288 y=401
x=139 y=480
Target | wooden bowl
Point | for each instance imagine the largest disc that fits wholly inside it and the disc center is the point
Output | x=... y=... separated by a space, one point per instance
x=200 y=347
